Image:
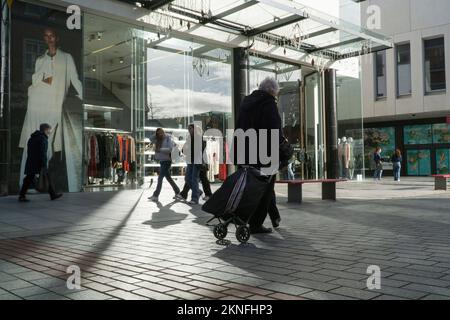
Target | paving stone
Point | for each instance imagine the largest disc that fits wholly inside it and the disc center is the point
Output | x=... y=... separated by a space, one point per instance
x=184 y=295
x=321 y=295
x=428 y=289
x=355 y=293
x=9 y=296
x=206 y=285
x=29 y=291
x=87 y=295
x=432 y=297
x=153 y=294
x=125 y=295
x=316 y=285
x=282 y=296
x=208 y=293
x=285 y=288
x=47 y=296
x=98 y=287
x=15 y=284
x=123 y=285
x=154 y=286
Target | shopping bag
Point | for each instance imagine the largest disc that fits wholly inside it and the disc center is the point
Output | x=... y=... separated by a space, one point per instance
x=42 y=183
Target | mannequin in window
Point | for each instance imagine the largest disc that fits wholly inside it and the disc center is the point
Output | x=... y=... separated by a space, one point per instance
x=340 y=157
x=345 y=157
x=351 y=159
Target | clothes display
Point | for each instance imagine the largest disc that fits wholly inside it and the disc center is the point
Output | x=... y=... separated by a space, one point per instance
x=213 y=152
x=107 y=156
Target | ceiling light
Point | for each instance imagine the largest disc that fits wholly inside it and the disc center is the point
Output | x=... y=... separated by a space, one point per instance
x=121 y=60
x=94 y=68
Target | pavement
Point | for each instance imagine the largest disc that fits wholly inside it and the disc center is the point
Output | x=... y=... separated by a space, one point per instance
x=127 y=247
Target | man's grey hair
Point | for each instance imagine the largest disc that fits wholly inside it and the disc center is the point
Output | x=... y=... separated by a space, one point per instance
x=270 y=85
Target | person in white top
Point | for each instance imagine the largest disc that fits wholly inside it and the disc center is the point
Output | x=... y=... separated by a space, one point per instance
x=54 y=72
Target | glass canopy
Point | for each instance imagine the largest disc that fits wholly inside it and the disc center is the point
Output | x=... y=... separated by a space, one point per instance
x=297 y=30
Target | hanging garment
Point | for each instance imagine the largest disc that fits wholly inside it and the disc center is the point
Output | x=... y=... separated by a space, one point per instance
x=93 y=157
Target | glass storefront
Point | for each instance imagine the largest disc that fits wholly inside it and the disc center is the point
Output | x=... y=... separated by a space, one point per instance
x=113 y=105
x=105 y=88
x=187 y=82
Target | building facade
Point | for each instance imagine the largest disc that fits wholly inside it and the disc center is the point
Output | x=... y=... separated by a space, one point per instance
x=124 y=68
x=406 y=98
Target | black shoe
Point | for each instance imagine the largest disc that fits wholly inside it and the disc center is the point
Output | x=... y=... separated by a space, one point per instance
x=276 y=222
x=23 y=199
x=260 y=229
x=56 y=196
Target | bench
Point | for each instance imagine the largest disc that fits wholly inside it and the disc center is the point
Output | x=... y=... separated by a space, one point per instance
x=295 y=188
x=440 y=181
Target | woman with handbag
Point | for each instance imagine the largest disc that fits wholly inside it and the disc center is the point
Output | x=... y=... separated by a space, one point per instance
x=163 y=150
x=378 y=164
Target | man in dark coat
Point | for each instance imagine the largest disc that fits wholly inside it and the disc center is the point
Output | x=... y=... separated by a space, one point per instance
x=259 y=111
x=37 y=161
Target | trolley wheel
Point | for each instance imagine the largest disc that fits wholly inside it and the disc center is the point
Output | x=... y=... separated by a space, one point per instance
x=243 y=234
x=220 y=231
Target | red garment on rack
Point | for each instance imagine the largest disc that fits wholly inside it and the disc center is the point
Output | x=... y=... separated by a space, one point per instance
x=126 y=161
x=223 y=172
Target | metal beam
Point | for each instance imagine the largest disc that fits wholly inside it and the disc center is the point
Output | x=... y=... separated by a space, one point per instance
x=274 y=25
x=318 y=33
x=337 y=44
x=157 y=4
x=230 y=11
x=354 y=30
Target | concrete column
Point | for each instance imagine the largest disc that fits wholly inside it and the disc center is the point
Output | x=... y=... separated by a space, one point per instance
x=330 y=106
x=240 y=79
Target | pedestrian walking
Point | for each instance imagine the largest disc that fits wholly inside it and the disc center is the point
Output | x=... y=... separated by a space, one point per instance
x=163 y=150
x=259 y=111
x=37 y=162
x=194 y=159
x=397 y=164
x=203 y=175
x=378 y=164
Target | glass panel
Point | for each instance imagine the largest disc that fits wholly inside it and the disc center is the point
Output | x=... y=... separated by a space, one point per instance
x=350 y=122
x=380 y=68
x=434 y=65
x=183 y=87
x=441 y=133
x=418 y=134
x=403 y=69
x=443 y=161
x=114 y=102
x=288 y=77
x=418 y=162
x=378 y=137
x=315 y=146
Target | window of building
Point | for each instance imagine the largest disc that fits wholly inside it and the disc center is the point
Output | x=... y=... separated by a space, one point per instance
x=434 y=65
x=380 y=68
x=403 y=53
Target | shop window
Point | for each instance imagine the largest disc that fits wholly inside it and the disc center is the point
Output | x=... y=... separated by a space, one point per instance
x=403 y=69
x=441 y=133
x=418 y=162
x=434 y=65
x=378 y=137
x=417 y=134
x=443 y=161
x=380 y=69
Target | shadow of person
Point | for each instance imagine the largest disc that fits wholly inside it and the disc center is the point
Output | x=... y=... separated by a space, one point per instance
x=165 y=216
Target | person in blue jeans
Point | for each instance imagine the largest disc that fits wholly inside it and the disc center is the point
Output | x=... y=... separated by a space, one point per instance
x=163 y=150
x=378 y=164
x=194 y=159
x=397 y=162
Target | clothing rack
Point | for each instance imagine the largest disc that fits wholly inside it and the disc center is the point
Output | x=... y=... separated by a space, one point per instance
x=106 y=130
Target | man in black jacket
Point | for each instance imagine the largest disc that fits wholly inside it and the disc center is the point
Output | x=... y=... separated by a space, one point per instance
x=37 y=148
x=259 y=111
